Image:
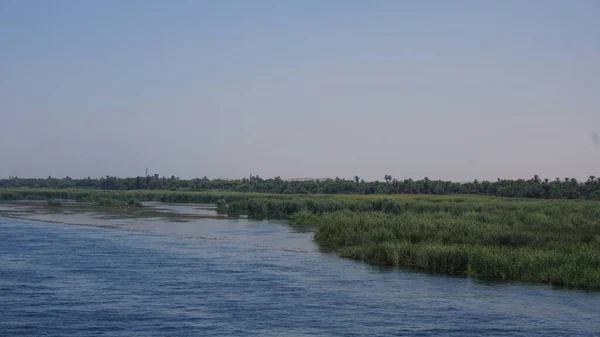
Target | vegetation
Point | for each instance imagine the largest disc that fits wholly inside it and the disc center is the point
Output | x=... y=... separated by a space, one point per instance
x=221 y=206
x=255 y=205
x=110 y=202
x=539 y=242
x=53 y=203
x=92 y=196
x=567 y=188
x=555 y=242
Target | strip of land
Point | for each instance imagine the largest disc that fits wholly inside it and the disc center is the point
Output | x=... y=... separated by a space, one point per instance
x=554 y=242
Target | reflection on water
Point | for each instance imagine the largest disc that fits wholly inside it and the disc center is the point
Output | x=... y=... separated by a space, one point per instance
x=176 y=270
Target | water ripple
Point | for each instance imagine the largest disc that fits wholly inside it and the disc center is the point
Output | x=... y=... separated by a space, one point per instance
x=227 y=278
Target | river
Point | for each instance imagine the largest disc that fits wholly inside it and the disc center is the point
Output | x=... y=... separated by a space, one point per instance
x=182 y=270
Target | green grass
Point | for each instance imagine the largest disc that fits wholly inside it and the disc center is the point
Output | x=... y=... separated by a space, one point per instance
x=540 y=243
x=555 y=242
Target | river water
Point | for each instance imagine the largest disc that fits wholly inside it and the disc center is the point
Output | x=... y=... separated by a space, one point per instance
x=184 y=271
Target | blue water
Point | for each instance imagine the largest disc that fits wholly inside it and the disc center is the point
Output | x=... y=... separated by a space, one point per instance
x=211 y=277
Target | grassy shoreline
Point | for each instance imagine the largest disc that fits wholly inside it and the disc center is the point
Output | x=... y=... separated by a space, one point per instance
x=551 y=250
x=554 y=242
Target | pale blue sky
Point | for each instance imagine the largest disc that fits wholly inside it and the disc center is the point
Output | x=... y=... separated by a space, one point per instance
x=446 y=89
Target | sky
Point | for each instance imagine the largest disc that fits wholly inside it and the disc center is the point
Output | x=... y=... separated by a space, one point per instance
x=454 y=90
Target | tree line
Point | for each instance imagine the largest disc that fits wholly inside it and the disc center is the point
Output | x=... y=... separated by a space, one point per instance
x=566 y=188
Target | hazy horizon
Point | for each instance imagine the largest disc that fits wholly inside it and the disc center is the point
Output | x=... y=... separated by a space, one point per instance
x=456 y=91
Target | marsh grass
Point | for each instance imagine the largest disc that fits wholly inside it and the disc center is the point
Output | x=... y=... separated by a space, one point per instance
x=494 y=243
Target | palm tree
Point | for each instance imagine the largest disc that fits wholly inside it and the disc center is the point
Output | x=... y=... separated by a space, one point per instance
x=357 y=179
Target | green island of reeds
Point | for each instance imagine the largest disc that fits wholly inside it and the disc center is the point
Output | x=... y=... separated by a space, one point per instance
x=534 y=243
x=555 y=242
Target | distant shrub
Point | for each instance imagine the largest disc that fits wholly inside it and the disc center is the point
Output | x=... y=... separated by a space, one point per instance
x=221 y=206
x=53 y=203
x=131 y=202
x=109 y=202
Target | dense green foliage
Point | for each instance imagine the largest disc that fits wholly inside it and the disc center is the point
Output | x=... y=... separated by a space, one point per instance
x=255 y=205
x=95 y=197
x=567 y=188
x=90 y=195
x=556 y=243
x=221 y=206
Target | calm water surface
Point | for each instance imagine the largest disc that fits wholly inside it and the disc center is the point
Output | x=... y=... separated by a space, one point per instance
x=183 y=271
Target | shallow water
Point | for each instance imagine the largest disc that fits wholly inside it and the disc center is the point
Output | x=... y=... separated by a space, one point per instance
x=180 y=270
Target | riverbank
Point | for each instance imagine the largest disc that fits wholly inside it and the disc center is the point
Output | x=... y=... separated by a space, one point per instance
x=554 y=242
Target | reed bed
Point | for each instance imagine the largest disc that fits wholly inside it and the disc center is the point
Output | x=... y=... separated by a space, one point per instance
x=533 y=244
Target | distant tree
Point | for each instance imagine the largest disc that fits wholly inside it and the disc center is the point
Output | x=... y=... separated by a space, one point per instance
x=568 y=188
